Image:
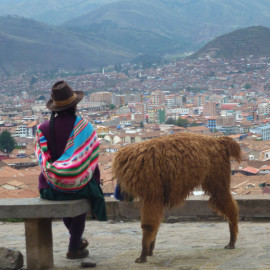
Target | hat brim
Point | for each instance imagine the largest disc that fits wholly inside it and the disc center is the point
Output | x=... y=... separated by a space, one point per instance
x=54 y=108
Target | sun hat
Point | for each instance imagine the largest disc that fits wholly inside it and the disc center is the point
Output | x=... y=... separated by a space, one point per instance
x=63 y=97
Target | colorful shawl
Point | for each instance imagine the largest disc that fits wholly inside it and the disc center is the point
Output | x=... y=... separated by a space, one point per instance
x=74 y=169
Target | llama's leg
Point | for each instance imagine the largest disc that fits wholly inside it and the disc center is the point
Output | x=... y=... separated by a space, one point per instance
x=152 y=246
x=225 y=205
x=151 y=216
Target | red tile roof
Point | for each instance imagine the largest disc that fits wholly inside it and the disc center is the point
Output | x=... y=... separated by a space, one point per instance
x=251 y=170
x=228 y=106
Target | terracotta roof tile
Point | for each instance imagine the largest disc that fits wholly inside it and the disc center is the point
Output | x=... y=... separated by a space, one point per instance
x=19 y=194
x=9 y=172
x=198 y=128
x=28 y=193
x=250 y=170
x=32 y=124
x=14 y=183
x=265 y=168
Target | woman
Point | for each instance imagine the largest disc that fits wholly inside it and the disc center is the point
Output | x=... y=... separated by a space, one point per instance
x=67 y=150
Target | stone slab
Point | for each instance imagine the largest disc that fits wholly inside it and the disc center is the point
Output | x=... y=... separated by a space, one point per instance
x=40 y=208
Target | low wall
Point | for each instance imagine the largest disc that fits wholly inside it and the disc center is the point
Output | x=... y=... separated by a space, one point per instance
x=251 y=207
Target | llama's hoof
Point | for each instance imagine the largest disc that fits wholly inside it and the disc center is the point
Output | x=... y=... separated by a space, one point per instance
x=230 y=246
x=150 y=253
x=140 y=260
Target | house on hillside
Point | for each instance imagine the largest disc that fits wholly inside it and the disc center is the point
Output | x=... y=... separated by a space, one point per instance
x=250 y=171
x=112 y=148
x=177 y=129
x=265 y=184
x=264 y=131
x=264 y=155
x=112 y=139
x=264 y=169
x=31 y=129
x=24 y=141
x=20 y=163
x=199 y=129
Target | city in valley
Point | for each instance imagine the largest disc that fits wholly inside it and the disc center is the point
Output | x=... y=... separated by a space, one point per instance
x=128 y=104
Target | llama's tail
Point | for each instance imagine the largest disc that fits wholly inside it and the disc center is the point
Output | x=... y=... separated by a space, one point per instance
x=232 y=147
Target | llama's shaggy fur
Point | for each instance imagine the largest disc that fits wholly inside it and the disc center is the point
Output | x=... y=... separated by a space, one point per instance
x=162 y=172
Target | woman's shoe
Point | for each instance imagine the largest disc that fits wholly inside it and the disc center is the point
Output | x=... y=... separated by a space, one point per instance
x=77 y=254
x=84 y=243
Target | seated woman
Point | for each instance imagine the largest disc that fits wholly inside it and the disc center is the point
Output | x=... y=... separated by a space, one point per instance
x=67 y=151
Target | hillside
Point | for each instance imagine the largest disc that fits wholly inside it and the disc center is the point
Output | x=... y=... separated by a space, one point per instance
x=167 y=26
x=115 y=31
x=50 y=11
x=27 y=45
x=141 y=26
x=240 y=43
x=147 y=26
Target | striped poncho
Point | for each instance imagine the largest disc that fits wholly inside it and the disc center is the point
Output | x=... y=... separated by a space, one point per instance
x=74 y=169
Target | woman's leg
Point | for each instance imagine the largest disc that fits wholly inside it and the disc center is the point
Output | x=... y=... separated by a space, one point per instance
x=67 y=221
x=76 y=229
x=75 y=225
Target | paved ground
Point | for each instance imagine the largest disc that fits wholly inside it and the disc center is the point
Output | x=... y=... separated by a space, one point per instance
x=182 y=246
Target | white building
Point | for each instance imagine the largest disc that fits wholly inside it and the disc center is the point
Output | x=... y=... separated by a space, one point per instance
x=264 y=131
x=264 y=108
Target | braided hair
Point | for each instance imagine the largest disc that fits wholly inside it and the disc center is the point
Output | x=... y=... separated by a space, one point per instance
x=71 y=111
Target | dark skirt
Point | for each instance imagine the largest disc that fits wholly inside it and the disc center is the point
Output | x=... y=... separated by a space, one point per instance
x=91 y=191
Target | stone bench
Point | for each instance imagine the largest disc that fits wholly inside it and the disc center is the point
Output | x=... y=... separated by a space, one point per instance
x=38 y=214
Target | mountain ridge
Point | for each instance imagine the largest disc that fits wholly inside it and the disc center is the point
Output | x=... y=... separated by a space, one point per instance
x=121 y=30
x=30 y=46
x=195 y=22
x=48 y=11
x=253 y=40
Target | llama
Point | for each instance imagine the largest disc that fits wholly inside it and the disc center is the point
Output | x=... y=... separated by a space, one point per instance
x=162 y=172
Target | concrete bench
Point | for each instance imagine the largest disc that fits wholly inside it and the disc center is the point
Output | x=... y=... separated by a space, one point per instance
x=38 y=214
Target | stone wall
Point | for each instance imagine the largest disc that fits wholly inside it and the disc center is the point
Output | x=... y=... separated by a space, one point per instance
x=195 y=208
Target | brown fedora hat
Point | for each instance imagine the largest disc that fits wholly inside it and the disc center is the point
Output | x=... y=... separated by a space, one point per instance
x=63 y=97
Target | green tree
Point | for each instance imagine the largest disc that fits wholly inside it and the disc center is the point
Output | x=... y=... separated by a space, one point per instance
x=112 y=106
x=33 y=80
x=117 y=67
x=41 y=98
x=7 y=143
x=194 y=124
x=180 y=122
x=247 y=86
x=170 y=121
